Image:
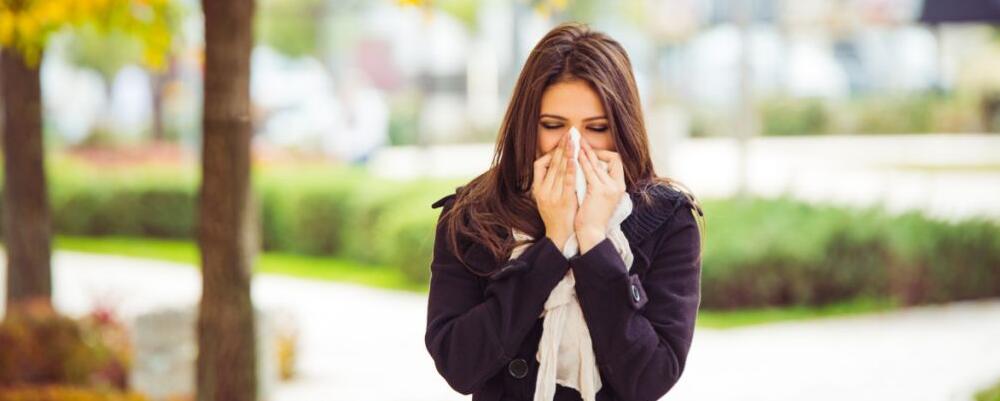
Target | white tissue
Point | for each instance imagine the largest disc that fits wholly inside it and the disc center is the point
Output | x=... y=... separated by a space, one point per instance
x=581 y=180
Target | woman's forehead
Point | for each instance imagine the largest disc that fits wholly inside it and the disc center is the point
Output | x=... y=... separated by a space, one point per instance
x=574 y=100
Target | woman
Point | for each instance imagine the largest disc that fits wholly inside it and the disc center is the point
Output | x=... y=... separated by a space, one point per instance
x=484 y=309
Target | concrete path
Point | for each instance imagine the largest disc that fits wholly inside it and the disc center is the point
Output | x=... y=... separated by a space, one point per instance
x=935 y=353
x=367 y=344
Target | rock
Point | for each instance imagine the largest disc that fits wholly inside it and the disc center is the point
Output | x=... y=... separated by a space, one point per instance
x=166 y=350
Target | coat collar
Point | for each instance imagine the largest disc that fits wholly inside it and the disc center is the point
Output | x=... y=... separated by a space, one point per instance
x=646 y=218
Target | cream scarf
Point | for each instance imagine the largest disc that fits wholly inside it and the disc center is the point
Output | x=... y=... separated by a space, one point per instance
x=565 y=352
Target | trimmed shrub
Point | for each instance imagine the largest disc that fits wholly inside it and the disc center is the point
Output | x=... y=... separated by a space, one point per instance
x=307 y=218
x=780 y=252
x=786 y=116
x=406 y=243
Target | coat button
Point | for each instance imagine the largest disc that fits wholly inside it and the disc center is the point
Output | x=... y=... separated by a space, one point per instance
x=518 y=368
x=635 y=293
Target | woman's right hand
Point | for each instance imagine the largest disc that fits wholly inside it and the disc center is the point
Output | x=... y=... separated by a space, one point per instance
x=552 y=189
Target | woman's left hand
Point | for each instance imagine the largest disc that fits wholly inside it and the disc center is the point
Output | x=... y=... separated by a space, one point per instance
x=604 y=190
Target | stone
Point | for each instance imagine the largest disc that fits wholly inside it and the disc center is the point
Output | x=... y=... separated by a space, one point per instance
x=166 y=351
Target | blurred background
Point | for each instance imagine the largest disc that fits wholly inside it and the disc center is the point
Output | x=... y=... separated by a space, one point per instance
x=846 y=152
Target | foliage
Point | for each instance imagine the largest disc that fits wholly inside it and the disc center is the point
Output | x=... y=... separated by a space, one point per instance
x=66 y=393
x=104 y=53
x=293 y=27
x=27 y=25
x=794 y=117
x=781 y=252
x=886 y=114
x=42 y=347
x=989 y=394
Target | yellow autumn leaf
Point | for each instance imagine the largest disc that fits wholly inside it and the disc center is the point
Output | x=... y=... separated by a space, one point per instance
x=25 y=25
x=6 y=28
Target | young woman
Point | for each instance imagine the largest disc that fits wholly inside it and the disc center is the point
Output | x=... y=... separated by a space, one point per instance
x=484 y=315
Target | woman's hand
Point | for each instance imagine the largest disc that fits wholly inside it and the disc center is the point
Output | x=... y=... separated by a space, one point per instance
x=604 y=191
x=552 y=189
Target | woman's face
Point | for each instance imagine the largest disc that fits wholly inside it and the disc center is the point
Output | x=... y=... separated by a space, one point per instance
x=572 y=103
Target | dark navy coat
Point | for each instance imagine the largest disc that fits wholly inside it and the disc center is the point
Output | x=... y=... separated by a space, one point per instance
x=483 y=332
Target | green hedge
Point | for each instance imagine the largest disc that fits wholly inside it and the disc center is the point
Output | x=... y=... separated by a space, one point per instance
x=782 y=252
x=923 y=111
x=323 y=211
x=926 y=112
x=757 y=253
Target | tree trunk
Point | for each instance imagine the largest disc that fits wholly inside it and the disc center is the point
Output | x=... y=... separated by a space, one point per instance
x=226 y=334
x=159 y=81
x=26 y=219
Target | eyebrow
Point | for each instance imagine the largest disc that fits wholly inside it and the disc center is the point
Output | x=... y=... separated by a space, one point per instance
x=564 y=118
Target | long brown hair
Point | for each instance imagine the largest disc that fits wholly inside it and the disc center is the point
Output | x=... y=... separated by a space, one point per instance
x=500 y=199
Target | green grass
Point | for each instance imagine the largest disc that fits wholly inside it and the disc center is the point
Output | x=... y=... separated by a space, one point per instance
x=745 y=317
x=160 y=249
x=341 y=270
x=989 y=394
x=279 y=263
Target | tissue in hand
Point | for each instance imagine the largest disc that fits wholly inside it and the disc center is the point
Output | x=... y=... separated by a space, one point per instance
x=624 y=208
x=581 y=180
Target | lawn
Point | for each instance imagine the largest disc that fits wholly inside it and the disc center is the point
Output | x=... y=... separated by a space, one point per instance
x=989 y=394
x=341 y=270
x=286 y=264
x=745 y=317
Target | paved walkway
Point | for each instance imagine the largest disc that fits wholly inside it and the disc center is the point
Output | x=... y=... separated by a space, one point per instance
x=367 y=344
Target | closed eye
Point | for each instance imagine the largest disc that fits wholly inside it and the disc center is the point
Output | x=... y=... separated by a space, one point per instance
x=594 y=128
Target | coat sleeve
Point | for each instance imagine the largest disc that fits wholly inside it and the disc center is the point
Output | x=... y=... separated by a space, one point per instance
x=642 y=330
x=472 y=333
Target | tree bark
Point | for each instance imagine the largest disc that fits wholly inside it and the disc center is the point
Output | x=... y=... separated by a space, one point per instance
x=159 y=81
x=226 y=360
x=26 y=217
